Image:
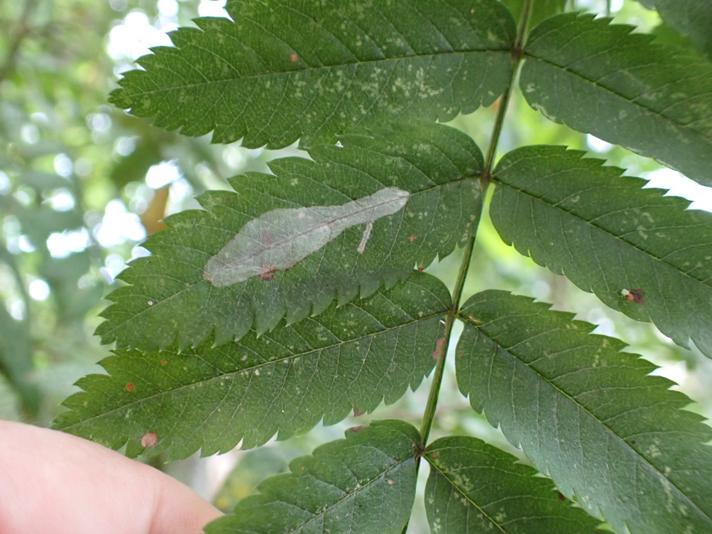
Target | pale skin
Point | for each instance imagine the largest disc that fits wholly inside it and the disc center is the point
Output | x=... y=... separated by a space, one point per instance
x=58 y=483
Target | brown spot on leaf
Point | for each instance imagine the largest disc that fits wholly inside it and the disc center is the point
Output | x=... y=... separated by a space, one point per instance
x=561 y=496
x=435 y=455
x=163 y=362
x=633 y=295
x=357 y=412
x=412 y=238
x=293 y=57
x=421 y=268
x=267 y=272
x=356 y=428
x=130 y=387
x=148 y=440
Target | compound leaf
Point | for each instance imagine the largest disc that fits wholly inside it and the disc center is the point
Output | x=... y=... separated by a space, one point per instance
x=195 y=281
x=364 y=483
x=284 y=70
x=599 y=78
x=474 y=487
x=640 y=252
x=590 y=416
x=349 y=358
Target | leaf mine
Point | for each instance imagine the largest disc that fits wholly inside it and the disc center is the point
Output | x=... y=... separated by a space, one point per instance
x=278 y=239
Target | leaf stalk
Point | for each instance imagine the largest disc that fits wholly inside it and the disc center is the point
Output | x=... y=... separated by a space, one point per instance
x=431 y=406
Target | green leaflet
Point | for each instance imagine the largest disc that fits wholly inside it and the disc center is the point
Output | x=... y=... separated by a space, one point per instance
x=600 y=78
x=349 y=358
x=364 y=483
x=692 y=18
x=168 y=301
x=587 y=414
x=284 y=70
x=640 y=252
x=474 y=487
x=665 y=35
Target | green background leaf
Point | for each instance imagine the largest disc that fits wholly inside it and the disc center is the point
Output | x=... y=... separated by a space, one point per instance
x=609 y=236
x=692 y=18
x=365 y=484
x=600 y=78
x=349 y=358
x=285 y=70
x=587 y=414
x=541 y=10
x=170 y=303
x=474 y=487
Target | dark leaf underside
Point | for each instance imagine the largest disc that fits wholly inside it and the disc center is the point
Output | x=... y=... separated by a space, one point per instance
x=601 y=78
x=474 y=488
x=349 y=358
x=365 y=484
x=288 y=70
x=640 y=252
x=588 y=415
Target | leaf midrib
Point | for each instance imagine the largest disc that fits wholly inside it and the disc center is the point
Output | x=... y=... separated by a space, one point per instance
x=363 y=487
x=626 y=446
x=632 y=102
x=464 y=495
x=306 y=354
x=310 y=69
x=600 y=228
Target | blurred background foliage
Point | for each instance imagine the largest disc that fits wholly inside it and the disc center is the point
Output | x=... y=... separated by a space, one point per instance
x=82 y=184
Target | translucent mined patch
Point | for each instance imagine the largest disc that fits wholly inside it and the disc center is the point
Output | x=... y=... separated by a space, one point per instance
x=280 y=238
